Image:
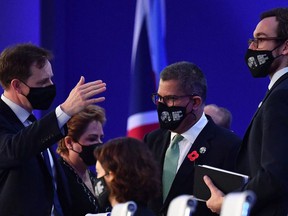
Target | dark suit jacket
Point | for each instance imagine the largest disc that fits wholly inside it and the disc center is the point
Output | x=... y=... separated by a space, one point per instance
x=82 y=200
x=265 y=147
x=143 y=211
x=25 y=183
x=221 y=148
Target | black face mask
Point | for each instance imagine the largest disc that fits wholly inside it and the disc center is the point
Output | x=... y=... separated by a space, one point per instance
x=87 y=153
x=170 y=117
x=259 y=61
x=41 y=98
x=102 y=192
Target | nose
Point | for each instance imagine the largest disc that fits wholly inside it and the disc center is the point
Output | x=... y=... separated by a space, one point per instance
x=99 y=140
x=253 y=45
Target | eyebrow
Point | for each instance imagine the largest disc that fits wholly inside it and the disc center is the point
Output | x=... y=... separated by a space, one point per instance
x=261 y=34
x=92 y=136
x=44 y=81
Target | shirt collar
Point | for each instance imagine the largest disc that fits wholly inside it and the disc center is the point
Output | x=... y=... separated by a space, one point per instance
x=20 y=112
x=195 y=130
x=276 y=76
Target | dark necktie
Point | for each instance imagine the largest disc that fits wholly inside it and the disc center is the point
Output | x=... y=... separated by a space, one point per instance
x=31 y=118
x=57 y=207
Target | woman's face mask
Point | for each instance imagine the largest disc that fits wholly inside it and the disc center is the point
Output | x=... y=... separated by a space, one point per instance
x=102 y=192
x=87 y=153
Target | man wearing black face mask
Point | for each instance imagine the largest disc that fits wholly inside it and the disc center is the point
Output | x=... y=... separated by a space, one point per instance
x=31 y=181
x=180 y=104
x=263 y=153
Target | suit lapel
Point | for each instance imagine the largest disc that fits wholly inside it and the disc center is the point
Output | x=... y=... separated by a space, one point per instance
x=7 y=113
x=284 y=77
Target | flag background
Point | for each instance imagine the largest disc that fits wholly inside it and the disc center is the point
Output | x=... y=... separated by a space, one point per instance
x=148 y=59
x=94 y=39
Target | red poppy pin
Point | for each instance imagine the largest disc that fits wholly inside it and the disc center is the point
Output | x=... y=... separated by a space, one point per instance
x=193 y=156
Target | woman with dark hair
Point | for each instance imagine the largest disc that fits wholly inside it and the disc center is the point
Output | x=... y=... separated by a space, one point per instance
x=85 y=132
x=126 y=171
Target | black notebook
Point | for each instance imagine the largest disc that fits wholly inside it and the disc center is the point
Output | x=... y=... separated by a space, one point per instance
x=224 y=180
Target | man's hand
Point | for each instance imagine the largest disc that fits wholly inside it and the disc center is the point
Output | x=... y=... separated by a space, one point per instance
x=214 y=203
x=82 y=95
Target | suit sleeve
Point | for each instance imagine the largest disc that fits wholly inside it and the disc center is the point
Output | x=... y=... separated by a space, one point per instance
x=270 y=127
x=18 y=143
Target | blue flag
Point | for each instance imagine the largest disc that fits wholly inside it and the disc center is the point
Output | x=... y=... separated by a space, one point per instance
x=148 y=59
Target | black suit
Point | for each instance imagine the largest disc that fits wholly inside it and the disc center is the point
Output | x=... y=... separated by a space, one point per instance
x=25 y=183
x=143 y=211
x=83 y=200
x=265 y=147
x=221 y=148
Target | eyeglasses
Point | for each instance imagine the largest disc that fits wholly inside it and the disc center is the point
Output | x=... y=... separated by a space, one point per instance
x=169 y=99
x=256 y=41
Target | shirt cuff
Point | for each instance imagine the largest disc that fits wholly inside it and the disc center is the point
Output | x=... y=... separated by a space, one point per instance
x=62 y=117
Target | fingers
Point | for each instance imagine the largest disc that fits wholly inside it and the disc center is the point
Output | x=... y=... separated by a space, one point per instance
x=95 y=100
x=209 y=183
x=87 y=91
x=82 y=95
x=211 y=186
x=92 y=88
x=214 y=203
x=81 y=81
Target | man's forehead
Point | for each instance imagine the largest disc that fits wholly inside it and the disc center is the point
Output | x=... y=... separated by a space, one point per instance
x=266 y=27
x=169 y=87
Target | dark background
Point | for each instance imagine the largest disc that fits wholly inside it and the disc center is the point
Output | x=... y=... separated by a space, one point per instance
x=93 y=38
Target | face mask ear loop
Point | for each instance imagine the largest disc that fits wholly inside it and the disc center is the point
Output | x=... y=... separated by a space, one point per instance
x=277 y=48
x=73 y=149
x=25 y=83
x=187 y=106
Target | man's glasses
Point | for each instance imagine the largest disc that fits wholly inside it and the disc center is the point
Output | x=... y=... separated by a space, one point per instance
x=256 y=41
x=169 y=99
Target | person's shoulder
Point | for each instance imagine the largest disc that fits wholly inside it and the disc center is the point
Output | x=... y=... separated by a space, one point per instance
x=143 y=211
x=156 y=133
x=225 y=134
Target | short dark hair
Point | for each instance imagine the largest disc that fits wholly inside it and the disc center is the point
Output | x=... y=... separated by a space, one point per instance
x=190 y=76
x=281 y=15
x=16 y=60
x=135 y=169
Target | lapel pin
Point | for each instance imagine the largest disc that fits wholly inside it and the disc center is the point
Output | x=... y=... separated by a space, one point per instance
x=202 y=150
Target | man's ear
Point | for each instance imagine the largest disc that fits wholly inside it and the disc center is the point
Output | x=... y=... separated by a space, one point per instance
x=196 y=101
x=285 y=50
x=16 y=85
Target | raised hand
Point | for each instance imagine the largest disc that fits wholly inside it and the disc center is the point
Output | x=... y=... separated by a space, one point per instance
x=82 y=95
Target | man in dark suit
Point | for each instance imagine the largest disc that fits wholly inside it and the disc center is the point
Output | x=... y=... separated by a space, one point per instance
x=26 y=186
x=180 y=104
x=265 y=144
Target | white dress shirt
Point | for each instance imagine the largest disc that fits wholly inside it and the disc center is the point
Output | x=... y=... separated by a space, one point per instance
x=189 y=138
